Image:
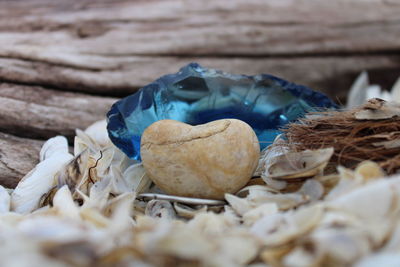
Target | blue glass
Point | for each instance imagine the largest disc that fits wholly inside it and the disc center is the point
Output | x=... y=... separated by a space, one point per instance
x=197 y=95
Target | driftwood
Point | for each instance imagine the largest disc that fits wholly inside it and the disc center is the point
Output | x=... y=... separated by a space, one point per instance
x=114 y=47
x=111 y=48
x=31 y=111
x=17 y=157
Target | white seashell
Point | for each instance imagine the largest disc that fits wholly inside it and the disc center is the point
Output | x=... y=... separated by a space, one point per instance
x=160 y=209
x=118 y=184
x=278 y=148
x=187 y=212
x=98 y=196
x=79 y=146
x=368 y=171
x=253 y=215
x=65 y=204
x=137 y=179
x=388 y=144
x=357 y=93
x=52 y=229
x=239 y=205
x=104 y=159
x=302 y=164
x=313 y=189
x=98 y=132
x=396 y=91
x=83 y=141
x=373 y=201
x=378 y=109
x=387 y=259
x=120 y=160
x=26 y=196
x=281 y=228
x=54 y=146
x=4 y=200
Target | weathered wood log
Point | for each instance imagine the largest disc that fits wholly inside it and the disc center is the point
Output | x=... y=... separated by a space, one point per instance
x=114 y=47
x=331 y=74
x=36 y=112
x=17 y=157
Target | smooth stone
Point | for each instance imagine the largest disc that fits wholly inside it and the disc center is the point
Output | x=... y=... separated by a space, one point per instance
x=203 y=161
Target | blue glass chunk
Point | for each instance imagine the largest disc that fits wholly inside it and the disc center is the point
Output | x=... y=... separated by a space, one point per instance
x=197 y=95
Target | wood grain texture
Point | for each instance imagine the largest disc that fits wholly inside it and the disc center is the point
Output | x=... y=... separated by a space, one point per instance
x=17 y=157
x=115 y=47
x=31 y=111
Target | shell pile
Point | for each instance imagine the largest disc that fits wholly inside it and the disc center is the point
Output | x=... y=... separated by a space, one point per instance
x=96 y=207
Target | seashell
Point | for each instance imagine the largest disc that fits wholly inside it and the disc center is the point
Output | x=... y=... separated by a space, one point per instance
x=120 y=160
x=389 y=259
x=136 y=178
x=118 y=183
x=358 y=93
x=26 y=196
x=272 y=256
x=294 y=165
x=279 y=147
x=388 y=144
x=82 y=142
x=98 y=196
x=283 y=201
x=54 y=146
x=378 y=109
x=187 y=212
x=396 y=91
x=246 y=190
x=313 y=189
x=253 y=215
x=239 y=205
x=376 y=199
x=65 y=204
x=280 y=229
x=98 y=133
x=4 y=200
x=204 y=161
x=160 y=209
x=368 y=171
x=79 y=146
x=75 y=173
x=95 y=217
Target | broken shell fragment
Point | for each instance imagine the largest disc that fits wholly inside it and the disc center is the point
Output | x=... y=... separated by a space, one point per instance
x=187 y=212
x=378 y=109
x=294 y=165
x=160 y=209
x=204 y=161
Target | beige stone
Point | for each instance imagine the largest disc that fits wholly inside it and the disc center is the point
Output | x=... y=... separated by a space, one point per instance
x=204 y=161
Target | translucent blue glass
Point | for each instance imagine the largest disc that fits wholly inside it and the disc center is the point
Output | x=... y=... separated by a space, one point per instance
x=197 y=95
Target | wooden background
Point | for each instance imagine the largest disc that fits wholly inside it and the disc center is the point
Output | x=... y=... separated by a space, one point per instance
x=64 y=62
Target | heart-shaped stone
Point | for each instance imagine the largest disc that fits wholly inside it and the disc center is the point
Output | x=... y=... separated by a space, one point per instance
x=204 y=161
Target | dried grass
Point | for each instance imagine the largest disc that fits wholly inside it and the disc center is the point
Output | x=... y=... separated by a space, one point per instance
x=353 y=140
